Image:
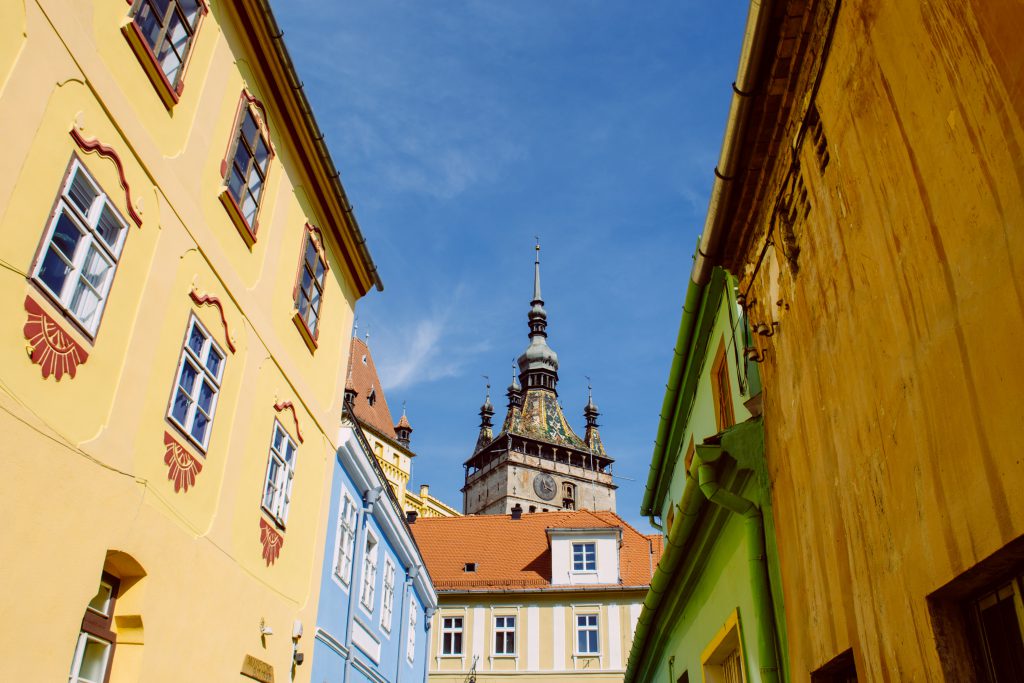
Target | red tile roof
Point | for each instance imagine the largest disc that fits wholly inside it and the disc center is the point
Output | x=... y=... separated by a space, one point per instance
x=511 y=554
x=363 y=377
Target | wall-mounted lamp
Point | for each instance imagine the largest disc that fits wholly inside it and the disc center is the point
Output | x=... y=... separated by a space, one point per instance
x=264 y=629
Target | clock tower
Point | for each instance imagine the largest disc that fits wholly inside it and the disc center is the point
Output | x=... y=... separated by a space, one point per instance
x=536 y=461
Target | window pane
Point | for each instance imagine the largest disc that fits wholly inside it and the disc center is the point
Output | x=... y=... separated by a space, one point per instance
x=249 y=207
x=196 y=339
x=187 y=378
x=311 y=255
x=320 y=272
x=179 y=411
x=1003 y=639
x=101 y=601
x=66 y=235
x=249 y=128
x=82 y=192
x=95 y=268
x=190 y=10
x=235 y=183
x=213 y=362
x=242 y=156
x=54 y=270
x=262 y=155
x=206 y=394
x=84 y=304
x=94 y=661
x=149 y=24
x=109 y=227
x=199 y=425
x=458 y=643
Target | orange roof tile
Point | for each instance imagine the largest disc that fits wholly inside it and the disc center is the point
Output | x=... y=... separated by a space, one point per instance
x=362 y=377
x=512 y=554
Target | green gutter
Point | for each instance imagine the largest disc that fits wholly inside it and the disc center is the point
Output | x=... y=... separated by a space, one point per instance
x=694 y=294
x=662 y=581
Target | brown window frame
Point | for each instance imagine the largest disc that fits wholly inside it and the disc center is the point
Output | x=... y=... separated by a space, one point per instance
x=312 y=242
x=248 y=107
x=100 y=626
x=721 y=390
x=168 y=90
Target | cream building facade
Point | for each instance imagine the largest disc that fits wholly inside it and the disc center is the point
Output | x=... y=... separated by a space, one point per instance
x=540 y=597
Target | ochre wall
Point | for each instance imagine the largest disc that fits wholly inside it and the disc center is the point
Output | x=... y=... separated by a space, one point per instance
x=84 y=456
x=892 y=386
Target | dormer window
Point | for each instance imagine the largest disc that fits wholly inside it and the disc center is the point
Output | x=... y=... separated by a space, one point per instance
x=469 y=567
x=584 y=557
x=371 y=398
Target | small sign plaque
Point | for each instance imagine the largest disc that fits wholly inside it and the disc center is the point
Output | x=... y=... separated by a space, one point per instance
x=257 y=669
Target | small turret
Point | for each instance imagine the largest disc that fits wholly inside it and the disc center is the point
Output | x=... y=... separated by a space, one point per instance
x=486 y=413
x=403 y=430
x=515 y=392
x=590 y=413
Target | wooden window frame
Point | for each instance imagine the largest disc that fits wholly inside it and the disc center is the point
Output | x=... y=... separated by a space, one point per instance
x=346 y=540
x=247 y=106
x=201 y=359
x=99 y=626
x=280 y=501
x=585 y=561
x=387 y=601
x=86 y=222
x=371 y=560
x=168 y=90
x=448 y=648
x=503 y=633
x=312 y=237
x=587 y=628
x=729 y=638
x=721 y=389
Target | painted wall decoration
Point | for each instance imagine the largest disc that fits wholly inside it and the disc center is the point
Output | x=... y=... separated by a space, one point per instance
x=271 y=540
x=287 y=405
x=108 y=152
x=182 y=466
x=52 y=349
x=208 y=300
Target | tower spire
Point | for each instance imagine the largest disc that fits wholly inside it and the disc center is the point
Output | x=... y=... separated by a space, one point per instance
x=486 y=413
x=538 y=366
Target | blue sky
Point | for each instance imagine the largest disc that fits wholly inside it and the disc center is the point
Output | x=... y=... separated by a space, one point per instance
x=463 y=129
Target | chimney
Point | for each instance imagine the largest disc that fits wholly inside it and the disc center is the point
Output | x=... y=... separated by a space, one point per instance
x=410 y=517
x=517 y=511
x=424 y=491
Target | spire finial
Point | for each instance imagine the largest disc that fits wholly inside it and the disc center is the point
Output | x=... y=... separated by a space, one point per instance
x=590 y=390
x=488 y=381
x=403 y=408
x=355 y=327
x=536 y=273
x=367 y=334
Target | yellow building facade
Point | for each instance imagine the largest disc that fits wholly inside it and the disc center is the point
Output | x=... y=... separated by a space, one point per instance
x=180 y=266
x=869 y=200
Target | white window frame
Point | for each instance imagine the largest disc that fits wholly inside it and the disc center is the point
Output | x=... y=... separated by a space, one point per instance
x=505 y=629
x=410 y=645
x=197 y=361
x=76 y=662
x=280 y=489
x=449 y=628
x=371 y=556
x=588 y=560
x=583 y=625
x=344 y=551
x=85 y=221
x=387 y=603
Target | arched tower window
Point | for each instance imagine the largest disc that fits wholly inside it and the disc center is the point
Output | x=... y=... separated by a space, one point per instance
x=569 y=496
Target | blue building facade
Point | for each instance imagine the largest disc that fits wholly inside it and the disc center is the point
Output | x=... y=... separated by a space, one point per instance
x=376 y=597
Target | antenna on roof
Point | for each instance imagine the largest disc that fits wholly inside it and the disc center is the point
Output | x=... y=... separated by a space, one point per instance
x=355 y=327
x=367 y=334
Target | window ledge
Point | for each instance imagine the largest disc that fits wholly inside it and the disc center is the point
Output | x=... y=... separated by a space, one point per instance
x=247 y=232
x=514 y=656
x=307 y=336
x=168 y=93
x=454 y=656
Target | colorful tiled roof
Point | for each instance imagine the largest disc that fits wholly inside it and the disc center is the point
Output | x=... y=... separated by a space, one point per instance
x=362 y=377
x=515 y=554
x=540 y=417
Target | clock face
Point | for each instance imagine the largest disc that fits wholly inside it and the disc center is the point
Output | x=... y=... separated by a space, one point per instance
x=544 y=485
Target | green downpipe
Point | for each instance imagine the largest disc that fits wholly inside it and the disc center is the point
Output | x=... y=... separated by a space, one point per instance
x=703 y=470
x=663 y=575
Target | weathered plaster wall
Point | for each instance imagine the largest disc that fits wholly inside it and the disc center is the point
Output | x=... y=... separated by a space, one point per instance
x=892 y=401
